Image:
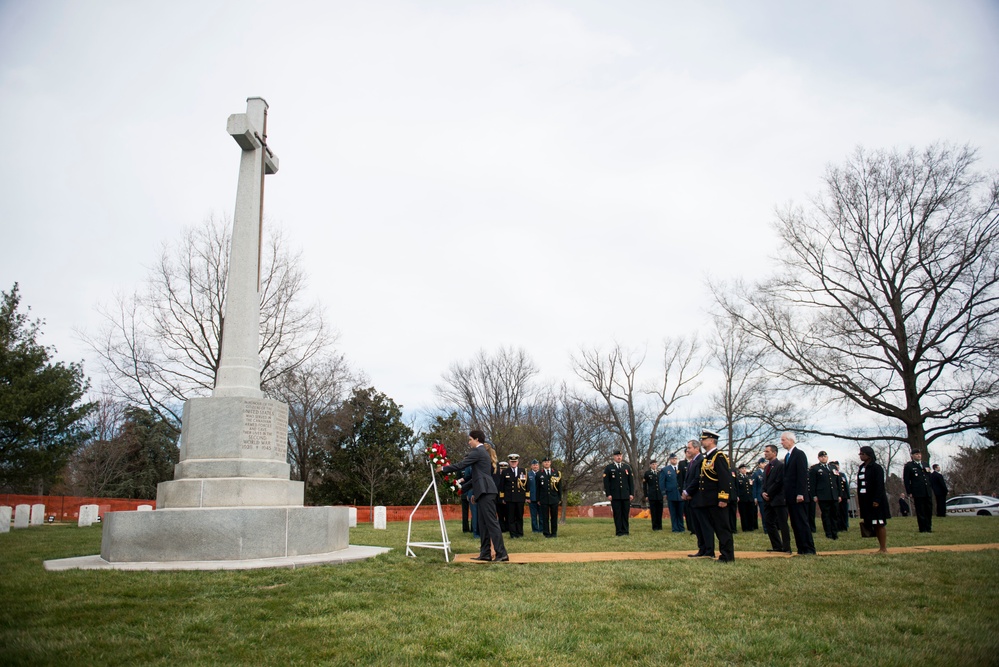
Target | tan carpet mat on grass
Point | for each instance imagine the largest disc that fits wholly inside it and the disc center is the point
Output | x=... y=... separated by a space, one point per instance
x=596 y=556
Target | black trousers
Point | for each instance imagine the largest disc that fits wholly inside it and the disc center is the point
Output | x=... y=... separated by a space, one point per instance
x=503 y=514
x=489 y=527
x=465 y=526
x=941 y=504
x=688 y=514
x=810 y=513
x=720 y=519
x=830 y=517
x=515 y=518
x=798 y=514
x=703 y=530
x=924 y=513
x=775 y=523
x=747 y=515
x=622 y=509
x=656 y=510
x=844 y=515
x=549 y=519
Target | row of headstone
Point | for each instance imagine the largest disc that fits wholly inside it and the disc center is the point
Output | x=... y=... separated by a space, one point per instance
x=88 y=515
x=27 y=515
x=5 y=514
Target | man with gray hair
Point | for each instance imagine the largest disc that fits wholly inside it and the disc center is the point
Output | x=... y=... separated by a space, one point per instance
x=796 y=493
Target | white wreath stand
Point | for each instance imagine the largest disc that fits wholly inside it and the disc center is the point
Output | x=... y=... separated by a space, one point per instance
x=445 y=543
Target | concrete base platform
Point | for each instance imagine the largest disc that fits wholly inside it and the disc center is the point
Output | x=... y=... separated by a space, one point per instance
x=350 y=554
x=223 y=533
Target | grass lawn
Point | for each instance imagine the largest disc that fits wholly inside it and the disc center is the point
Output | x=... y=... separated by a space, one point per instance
x=904 y=609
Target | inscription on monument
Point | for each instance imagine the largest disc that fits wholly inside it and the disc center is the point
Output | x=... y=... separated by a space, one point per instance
x=262 y=435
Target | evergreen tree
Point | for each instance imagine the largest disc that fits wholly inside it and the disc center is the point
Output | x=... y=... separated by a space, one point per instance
x=41 y=408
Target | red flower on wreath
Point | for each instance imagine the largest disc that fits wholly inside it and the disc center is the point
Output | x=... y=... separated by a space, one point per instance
x=437 y=454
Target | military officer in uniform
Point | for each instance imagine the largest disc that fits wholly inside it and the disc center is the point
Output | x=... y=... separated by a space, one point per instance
x=917 y=486
x=549 y=483
x=939 y=486
x=619 y=487
x=713 y=495
x=844 y=498
x=654 y=494
x=747 y=504
x=515 y=494
x=825 y=490
x=501 y=511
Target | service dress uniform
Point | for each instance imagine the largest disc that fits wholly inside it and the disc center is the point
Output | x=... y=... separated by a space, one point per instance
x=654 y=493
x=549 y=484
x=714 y=486
x=917 y=485
x=619 y=484
x=822 y=484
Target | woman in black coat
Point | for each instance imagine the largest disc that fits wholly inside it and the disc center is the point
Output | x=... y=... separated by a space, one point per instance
x=871 y=496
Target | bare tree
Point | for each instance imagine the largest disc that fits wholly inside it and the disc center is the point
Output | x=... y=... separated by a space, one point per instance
x=494 y=393
x=633 y=411
x=888 y=293
x=314 y=391
x=161 y=346
x=751 y=409
x=99 y=465
x=567 y=429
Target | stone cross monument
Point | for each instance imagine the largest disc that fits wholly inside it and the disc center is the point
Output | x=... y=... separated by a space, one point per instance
x=232 y=497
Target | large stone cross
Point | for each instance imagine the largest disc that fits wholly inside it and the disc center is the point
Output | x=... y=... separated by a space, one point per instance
x=239 y=367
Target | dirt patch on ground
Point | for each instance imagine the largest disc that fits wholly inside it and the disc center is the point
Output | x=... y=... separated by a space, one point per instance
x=597 y=556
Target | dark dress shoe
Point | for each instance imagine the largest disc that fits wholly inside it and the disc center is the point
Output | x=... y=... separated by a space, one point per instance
x=481 y=559
x=504 y=559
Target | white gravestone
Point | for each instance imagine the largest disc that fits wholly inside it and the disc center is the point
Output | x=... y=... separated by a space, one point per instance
x=88 y=515
x=21 y=516
x=5 y=514
x=381 y=518
x=37 y=515
x=231 y=497
x=352 y=517
x=144 y=508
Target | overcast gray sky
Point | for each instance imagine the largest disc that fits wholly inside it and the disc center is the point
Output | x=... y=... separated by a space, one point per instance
x=462 y=175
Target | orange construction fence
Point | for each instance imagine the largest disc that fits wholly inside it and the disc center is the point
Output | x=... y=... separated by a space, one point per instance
x=67 y=508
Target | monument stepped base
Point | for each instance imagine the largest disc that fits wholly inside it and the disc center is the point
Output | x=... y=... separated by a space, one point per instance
x=223 y=533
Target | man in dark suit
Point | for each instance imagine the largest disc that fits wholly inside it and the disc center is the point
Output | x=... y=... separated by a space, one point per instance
x=796 y=493
x=843 y=523
x=515 y=494
x=697 y=522
x=654 y=494
x=619 y=487
x=825 y=490
x=485 y=491
x=917 y=486
x=669 y=482
x=714 y=493
x=775 y=508
x=681 y=481
x=549 y=483
x=939 y=486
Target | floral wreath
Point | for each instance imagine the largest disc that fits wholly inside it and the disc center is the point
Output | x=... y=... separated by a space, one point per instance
x=437 y=454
